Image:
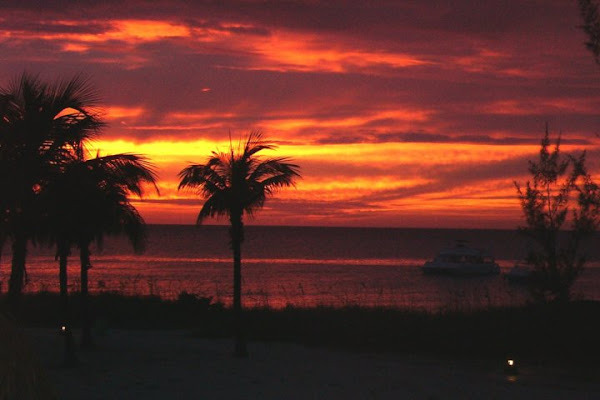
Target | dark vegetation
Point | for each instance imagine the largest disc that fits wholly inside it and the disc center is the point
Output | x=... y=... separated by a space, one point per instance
x=554 y=333
x=560 y=198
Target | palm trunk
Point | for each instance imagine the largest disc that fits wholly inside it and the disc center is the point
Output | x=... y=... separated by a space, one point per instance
x=237 y=236
x=86 y=321
x=66 y=329
x=2 y=239
x=17 y=273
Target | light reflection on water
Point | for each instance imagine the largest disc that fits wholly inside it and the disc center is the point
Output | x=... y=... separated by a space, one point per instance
x=299 y=266
x=278 y=283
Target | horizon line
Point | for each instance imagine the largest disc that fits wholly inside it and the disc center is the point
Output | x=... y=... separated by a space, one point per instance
x=338 y=227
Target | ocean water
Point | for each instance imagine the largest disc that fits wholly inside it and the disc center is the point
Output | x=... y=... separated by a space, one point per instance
x=302 y=266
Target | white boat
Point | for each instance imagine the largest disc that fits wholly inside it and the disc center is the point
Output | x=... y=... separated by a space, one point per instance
x=462 y=260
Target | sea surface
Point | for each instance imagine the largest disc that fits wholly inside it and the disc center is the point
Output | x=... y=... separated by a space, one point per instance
x=301 y=266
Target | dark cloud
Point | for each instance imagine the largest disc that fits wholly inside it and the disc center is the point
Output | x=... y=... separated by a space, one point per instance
x=444 y=178
x=421 y=137
x=41 y=26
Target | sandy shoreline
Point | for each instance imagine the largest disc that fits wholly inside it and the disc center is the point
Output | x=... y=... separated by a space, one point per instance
x=131 y=364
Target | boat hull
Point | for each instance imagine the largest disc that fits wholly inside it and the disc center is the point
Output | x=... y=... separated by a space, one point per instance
x=460 y=269
x=519 y=274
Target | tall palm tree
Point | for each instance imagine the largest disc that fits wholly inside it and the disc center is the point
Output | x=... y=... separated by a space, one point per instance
x=39 y=125
x=232 y=184
x=87 y=201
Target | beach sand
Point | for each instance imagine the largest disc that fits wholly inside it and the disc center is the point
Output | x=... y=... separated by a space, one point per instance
x=130 y=364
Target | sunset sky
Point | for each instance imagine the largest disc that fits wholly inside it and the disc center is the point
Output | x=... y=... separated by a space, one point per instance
x=400 y=113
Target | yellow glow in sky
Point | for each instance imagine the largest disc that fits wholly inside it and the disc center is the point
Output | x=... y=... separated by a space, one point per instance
x=378 y=183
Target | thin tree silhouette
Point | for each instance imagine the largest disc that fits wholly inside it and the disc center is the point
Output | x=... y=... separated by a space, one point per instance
x=560 y=193
x=39 y=125
x=232 y=184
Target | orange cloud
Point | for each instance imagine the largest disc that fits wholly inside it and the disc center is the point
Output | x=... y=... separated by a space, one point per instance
x=284 y=51
x=121 y=30
x=287 y=124
x=75 y=47
x=280 y=50
x=145 y=30
x=293 y=123
x=483 y=60
x=421 y=153
x=119 y=112
x=340 y=187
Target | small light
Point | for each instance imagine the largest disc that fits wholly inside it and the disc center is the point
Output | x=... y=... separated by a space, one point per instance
x=63 y=328
x=510 y=368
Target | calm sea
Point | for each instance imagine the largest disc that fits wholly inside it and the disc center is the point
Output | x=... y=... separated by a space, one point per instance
x=303 y=266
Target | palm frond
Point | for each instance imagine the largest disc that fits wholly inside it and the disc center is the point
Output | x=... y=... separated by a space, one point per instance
x=238 y=181
x=277 y=166
x=128 y=171
x=209 y=178
x=215 y=206
x=255 y=144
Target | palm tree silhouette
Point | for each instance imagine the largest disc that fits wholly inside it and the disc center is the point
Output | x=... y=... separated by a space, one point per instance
x=232 y=184
x=39 y=125
x=88 y=200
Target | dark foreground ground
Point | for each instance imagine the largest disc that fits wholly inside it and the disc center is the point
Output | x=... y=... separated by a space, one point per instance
x=151 y=364
x=150 y=348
